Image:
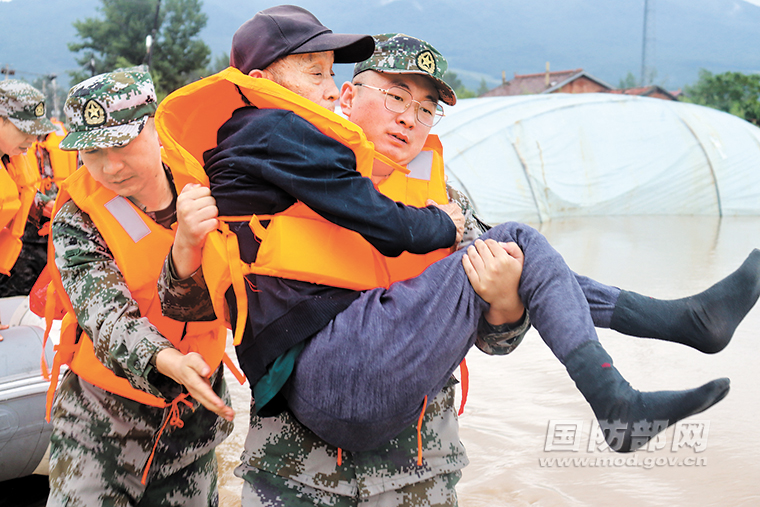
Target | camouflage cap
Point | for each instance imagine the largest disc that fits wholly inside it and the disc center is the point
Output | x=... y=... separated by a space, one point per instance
x=109 y=110
x=398 y=53
x=24 y=106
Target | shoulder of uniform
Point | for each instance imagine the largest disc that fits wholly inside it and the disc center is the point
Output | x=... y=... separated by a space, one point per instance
x=70 y=214
x=69 y=207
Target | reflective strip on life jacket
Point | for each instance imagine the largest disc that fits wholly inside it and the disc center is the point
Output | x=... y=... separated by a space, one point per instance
x=125 y=213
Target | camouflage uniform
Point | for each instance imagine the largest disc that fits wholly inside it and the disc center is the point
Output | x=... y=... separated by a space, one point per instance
x=24 y=106
x=284 y=460
x=101 y=442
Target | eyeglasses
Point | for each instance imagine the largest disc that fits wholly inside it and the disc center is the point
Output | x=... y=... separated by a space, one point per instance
x=398 y=100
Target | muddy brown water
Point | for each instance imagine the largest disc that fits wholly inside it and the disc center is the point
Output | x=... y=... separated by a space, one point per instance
x=518 y=402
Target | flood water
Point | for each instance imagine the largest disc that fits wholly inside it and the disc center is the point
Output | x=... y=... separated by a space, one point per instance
x=515 y=402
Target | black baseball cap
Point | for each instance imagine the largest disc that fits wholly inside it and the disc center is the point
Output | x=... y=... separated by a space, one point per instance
x=291 y=30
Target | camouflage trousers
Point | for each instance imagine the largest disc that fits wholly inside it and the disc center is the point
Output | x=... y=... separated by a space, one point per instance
x=93 y=484
x=262 y=489
x=101 y=444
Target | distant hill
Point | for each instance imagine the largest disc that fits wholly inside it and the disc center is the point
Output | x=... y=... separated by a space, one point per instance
x=480 y=38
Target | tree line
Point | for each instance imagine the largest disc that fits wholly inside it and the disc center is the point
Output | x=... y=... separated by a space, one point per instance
x=177 y=56
x=732 y=92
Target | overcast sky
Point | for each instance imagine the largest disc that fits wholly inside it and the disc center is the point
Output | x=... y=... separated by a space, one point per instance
x=480 y=38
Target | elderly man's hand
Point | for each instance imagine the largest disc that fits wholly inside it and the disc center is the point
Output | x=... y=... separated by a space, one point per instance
x=494 y=270
x=455 y=214
x=196 y=217
x=191 y=371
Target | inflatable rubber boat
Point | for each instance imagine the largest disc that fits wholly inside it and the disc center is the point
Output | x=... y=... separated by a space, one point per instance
x=24 y=433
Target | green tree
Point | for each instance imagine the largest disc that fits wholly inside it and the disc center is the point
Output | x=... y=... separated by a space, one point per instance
x=219 y=63
x=465 y=93
x=629 y=81
x=483 y=88
x=452 y=80
x=455 y=83
x=118 y=39
x=732 y=92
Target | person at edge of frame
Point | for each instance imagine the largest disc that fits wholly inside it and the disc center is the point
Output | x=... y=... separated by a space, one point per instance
x=25 y=203
x=130 y=419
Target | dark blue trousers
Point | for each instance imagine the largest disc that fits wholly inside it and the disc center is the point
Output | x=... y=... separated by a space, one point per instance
x=363 y=378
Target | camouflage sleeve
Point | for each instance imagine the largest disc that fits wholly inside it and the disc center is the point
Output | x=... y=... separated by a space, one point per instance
x=503 y=339
x=187 y=299
x=473 y=226
x=123 y=341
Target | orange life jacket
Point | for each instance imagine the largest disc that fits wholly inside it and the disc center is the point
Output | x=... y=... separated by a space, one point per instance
x=139 y=246
x=18 y=186
x=63 y=163
x=298 y=243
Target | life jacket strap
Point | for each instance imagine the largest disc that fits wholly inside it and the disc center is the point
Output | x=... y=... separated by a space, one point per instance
x=174 y=418
x=61 y=350
x=44 y=230
x=419 y=432
x=238 y=283
x=50 y=306
x=233 y=369
x=465 y=380
x=257 y=228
